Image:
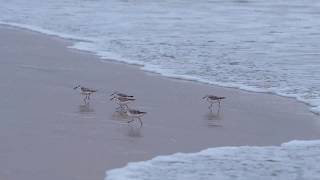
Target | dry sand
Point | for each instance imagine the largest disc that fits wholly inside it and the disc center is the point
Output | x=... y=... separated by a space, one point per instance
x=47 y=133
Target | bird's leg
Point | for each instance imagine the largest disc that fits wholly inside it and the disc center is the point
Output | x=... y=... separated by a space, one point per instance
x=85 y=99
x=131 y=120
x=119 y=108
x=88 y=99
x=211 y=106
x=123 y=109
x=141 y=124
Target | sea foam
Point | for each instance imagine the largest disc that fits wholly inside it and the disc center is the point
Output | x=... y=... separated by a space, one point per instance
x=292 y=160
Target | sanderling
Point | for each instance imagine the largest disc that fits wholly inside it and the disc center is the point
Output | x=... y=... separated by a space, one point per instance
x=213 y=99
x=135 y=114
x=122 y=101
x=86 y=92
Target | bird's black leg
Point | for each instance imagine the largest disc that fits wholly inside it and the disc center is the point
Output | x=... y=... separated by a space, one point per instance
x=131 y=120
x=122 y=107
x=141 y=124
x=85 y=99
x=211 y=107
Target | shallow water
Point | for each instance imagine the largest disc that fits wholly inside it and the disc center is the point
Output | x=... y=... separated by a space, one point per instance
x=294 y=160
x=265 y=46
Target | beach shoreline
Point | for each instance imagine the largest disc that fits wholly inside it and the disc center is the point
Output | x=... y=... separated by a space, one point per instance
x=47 y=132
x=74 y=39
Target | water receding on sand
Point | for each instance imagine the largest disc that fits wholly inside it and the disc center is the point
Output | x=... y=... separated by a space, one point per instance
x=293 y=160
x=264 y=46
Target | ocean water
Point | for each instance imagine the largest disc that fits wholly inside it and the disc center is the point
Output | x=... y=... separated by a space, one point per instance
x=297 y=160
x=265 y=46
x=257 y=45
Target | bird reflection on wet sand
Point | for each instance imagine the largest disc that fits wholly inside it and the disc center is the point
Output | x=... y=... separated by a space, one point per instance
x=119 y=116
x=134 y=132
x=213 y=119
x=85 y=108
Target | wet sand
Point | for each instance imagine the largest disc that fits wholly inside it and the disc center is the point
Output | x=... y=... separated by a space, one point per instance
x=46 y=131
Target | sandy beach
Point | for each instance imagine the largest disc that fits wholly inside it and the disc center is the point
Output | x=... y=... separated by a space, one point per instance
x=46 y=132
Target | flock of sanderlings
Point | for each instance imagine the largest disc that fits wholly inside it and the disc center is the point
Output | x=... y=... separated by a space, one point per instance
x=123 y=100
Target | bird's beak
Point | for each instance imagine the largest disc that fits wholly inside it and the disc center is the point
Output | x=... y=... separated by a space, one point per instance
x=111 y=98
x=77 y=87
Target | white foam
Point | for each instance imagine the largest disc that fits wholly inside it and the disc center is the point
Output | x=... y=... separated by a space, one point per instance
x=292 y=160
x=46 y=31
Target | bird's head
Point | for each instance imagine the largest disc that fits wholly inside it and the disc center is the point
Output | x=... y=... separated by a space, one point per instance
x=114 y=93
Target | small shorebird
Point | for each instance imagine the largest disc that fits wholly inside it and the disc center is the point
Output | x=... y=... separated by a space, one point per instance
x=213 y=99
x=135 y=114
x=122 y=101
x=86 y=92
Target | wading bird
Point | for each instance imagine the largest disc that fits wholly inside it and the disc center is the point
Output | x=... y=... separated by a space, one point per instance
x=86 y=92
x=135 y=114
x=211 y=99
x=122 y=101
